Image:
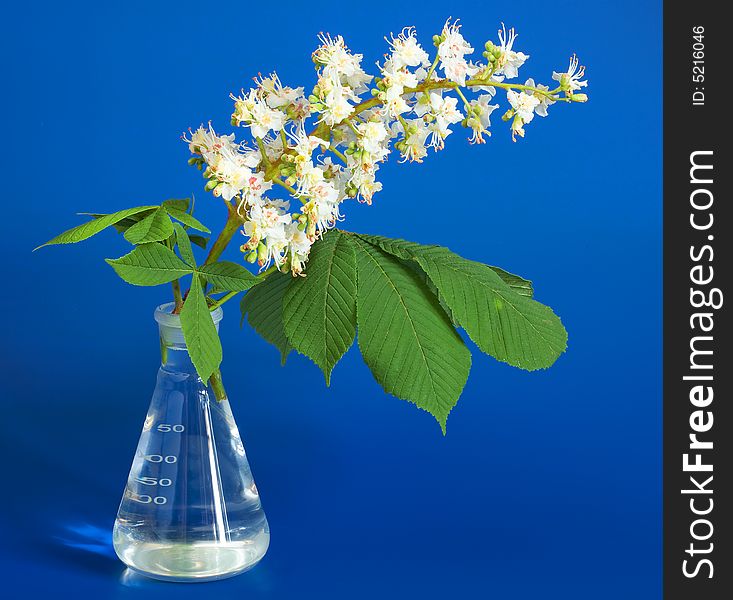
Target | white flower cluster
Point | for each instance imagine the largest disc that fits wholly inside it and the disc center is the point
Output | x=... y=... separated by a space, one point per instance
x=357 y=120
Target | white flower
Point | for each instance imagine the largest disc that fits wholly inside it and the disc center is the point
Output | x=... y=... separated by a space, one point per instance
x=265 y=119
x=523 y=104
x=406 y=51
x=250 y=110
x=266 y=222
x=336 y=106
x=339 y=64
x=298 y=247
x=451 y=52
x=509 y=61
x=457 y=70
x=276 y=94
x=373 y=134
x=571 y=80
x=205 y=140
x=545 y=100
x=453 y=44
x=479 y=120
x=412 y=146
x=445 y=113
x=305 y=144
x=308 y=175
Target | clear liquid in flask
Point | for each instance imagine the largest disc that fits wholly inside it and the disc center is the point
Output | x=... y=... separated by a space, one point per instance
x=190 y=510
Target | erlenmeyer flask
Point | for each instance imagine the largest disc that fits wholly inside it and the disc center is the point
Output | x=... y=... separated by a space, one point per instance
x=191 y=510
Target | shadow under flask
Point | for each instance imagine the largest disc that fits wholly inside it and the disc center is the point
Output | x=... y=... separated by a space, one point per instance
x=191 y=510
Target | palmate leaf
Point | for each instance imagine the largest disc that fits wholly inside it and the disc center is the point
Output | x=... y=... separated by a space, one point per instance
x=156 y=227
x=90 y=228
x=263 y=308
x=199 y=331
x=405 y=337
x=319 y=310
x=510 y=327
x=149 y=264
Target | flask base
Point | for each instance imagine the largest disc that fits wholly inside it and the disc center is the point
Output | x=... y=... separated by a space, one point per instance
x=193 y=562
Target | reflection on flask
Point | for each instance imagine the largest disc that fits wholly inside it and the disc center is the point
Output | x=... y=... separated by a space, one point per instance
x=191 y=510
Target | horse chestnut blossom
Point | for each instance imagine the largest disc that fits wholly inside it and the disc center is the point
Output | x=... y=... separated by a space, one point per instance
x=356 y=121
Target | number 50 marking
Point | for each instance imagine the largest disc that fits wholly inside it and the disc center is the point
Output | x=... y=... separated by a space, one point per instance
x=164 y=427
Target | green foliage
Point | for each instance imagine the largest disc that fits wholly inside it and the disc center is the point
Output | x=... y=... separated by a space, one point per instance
x=157 y=226
x=405 y=337
x=319 y=310
x=177 y=204
x=263 y=307
x=184 y=245
x=199 y=240
x=510 y=327
x=228 y=276
x=521 y=286
x=150 y=264
x=199 y=331
x=404 y=299
x=187 y=220
x=90 y=228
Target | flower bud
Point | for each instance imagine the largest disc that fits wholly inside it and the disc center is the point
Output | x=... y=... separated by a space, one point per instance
x=193 y=161
x=437 y=39
x=579 y=97
x=507 y=115
x=210 y=185
x=251 y=257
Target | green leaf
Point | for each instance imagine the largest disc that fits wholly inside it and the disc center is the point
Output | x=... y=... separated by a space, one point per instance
x=521 y=286
x=149 y=264
x=263 y=307
x=156 y=227
x=177 y=204
x=228 y=276
x=199 y=331
x=319 y=310
x=184 y=245
x=126 y=223
x=187 y=220
x=199 y=240
x=510 y=327
x=87 y=230
x=406 y=338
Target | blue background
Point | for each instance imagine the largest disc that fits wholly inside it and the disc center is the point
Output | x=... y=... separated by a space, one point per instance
x=547 y=484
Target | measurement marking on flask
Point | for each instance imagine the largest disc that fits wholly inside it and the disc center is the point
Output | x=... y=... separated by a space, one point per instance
x=147 y=499
x=163 y=482
x=165 y=427
x=157 y=458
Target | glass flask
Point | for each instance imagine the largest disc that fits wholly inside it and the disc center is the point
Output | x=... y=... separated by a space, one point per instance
x=191 y=510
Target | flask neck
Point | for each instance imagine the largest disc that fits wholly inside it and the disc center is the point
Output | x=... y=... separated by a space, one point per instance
x=173 y=349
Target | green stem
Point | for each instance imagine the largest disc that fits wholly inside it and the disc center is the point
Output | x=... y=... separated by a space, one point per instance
x=234 y=221
x=338 y=153
x=222 y=300
x=217 y=386
x=279 y=181
x=177 y=297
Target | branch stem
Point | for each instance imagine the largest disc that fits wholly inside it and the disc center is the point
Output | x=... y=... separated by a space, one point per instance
x=231 y=226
